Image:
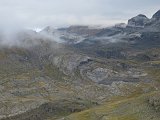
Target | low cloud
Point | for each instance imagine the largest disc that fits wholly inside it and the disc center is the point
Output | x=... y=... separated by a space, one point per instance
x=15 y=15
x=40 y=13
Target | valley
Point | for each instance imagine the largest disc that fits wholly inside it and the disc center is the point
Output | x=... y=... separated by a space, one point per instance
x=86 y=73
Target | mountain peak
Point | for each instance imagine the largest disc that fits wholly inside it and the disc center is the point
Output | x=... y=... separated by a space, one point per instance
x=138 y=21
x=157 y=15
x=141 y=15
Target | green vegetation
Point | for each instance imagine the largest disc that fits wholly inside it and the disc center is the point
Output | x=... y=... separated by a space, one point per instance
x=54 y=72
x=134 y=108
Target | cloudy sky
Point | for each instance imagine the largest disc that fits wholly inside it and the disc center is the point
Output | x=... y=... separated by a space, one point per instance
x=41 y=13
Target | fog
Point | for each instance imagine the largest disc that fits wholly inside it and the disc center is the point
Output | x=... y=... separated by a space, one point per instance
x=17 y=15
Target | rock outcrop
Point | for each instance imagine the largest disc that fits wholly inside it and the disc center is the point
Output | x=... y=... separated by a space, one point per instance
x=156 y=16
x=138 y=21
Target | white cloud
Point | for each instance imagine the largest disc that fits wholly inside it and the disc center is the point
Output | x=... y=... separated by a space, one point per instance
x=40 y=13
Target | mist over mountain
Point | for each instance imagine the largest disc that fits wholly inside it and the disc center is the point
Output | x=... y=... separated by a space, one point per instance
x=81 y=72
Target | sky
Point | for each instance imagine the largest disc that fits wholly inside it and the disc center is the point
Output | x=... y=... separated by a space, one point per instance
x=57 y=13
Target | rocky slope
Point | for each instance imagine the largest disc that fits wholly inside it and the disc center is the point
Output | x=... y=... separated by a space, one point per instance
x=138 y=21
x=95 y=73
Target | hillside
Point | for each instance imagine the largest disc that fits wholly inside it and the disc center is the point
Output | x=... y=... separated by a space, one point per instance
x=83 y=73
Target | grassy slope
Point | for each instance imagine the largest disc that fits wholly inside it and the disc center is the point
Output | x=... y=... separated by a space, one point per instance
x=134 y=108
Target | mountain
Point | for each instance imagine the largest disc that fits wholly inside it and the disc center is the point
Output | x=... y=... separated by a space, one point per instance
x=156 y=16
x=82 y=73
x=138 y=21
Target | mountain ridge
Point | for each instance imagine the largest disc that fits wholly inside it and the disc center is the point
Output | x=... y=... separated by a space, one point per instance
x=82 y=73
